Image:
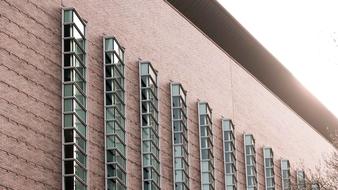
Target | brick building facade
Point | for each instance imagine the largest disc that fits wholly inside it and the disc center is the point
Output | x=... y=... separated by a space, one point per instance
x=31 y=95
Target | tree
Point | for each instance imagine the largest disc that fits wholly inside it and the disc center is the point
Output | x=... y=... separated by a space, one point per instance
x=325 y=177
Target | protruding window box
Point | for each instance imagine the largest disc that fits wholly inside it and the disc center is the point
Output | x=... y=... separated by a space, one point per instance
x=179 y=137
x=250 y=162
x=286 y=175
x=74 y=101
x=301 y=180
x=229 y=150
x=269 y=172
x=206 y=146
x=114 y=115
x=149 y=127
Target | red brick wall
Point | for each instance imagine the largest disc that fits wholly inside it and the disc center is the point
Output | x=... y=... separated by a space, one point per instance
x=30 y=93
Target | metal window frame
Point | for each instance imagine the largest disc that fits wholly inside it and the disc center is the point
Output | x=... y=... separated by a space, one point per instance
x=246 y=165
x=271 y=168
x=156 y=96
x=121 y=113
x=299 y=185
x=289 y=174
x=211 y=138
x=184 y=136
x=86 y=183
x=315 y=186
x=233 y=153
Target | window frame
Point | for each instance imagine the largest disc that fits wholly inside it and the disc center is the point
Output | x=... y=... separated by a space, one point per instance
x=232 y=153
x=151 y=78
x=266 y=167
x=183 y=133
x=301 y=183
x=75 y=177
x=254 y=165
x=288 y=170
x=118 y=119
x=209 y=149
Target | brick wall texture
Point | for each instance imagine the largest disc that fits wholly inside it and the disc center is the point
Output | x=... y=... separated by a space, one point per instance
x=30 y=94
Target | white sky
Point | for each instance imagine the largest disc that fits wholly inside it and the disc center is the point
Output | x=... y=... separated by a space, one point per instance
x=302 y=35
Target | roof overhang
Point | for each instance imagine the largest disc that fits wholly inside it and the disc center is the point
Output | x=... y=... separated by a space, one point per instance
x=221 y=27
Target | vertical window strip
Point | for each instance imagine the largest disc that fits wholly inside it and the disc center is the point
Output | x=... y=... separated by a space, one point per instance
x=315 y=186
x=149 y=127
x=301 y=183
x=74 y=104
x=179 y=137
x=286 y=175
x=250 y=162
x=229 y=149
x=269 y=169
x=114 y=115
x=206 y=146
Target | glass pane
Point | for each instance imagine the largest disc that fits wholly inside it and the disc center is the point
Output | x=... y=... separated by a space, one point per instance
x=69 y=183
x=79 y=96
x=226 y=125
x=111 y=184
x=79 y=111
x=144 y=69
x=80 y=156
x=68 y=120
x=68 y=105
x=69 y=151
x=77 y=35
x=67 y=32
x=146 y=146
x=110 y=113
x=203 y=108
x=68 y=90
x=68 y=45
x=80 y=126
x=179 y=175
x=175 y=90
x=78 y=23
x=111 y=156
x=69 y=167
x=68 y=75
x=68 y=16
x=81 y=172
x=109 y=44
